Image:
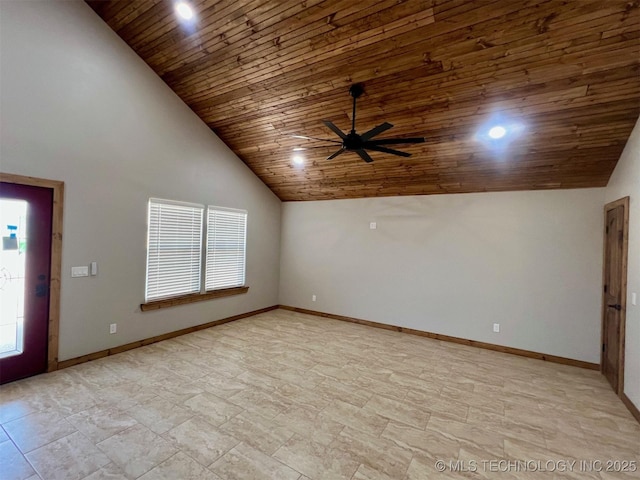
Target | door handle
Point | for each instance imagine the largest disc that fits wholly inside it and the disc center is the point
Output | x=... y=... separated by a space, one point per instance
x=617 y=306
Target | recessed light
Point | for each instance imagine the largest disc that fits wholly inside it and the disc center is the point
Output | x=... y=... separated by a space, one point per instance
x=184 y=10
x=497 y=132
x=298 y=159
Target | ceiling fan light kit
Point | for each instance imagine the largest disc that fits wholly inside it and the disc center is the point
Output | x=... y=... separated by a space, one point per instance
x=353 y=142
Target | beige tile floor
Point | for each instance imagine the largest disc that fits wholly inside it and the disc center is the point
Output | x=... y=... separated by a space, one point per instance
x=286 y=396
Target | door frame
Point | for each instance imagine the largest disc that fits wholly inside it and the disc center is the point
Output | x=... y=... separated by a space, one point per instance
x=56 y=258
x=624 y=202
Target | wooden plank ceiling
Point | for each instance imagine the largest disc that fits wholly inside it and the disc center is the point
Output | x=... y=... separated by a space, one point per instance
x=566 y=73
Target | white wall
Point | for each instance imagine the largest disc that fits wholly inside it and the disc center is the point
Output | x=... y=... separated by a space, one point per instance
x=78 y=105
x=455 y=264
x=625 y=181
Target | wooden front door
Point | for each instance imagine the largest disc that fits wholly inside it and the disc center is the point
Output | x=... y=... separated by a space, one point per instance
x=25 y=264
x=614 y=288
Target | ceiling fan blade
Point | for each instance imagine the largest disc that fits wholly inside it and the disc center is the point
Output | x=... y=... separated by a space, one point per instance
x=314 y=138
x=376 y=131
x=334 y=129
x=387 y=150
x=396 y=141
x=302 y=149
x=331 y=157
x=364 y=155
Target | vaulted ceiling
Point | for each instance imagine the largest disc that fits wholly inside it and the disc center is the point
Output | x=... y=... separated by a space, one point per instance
x=562 y=77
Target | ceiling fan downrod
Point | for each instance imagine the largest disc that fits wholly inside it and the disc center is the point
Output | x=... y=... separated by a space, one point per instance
x=356 y=90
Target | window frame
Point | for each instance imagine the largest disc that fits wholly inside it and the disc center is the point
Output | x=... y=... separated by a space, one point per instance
x=159 y=203
x=205 y=262
x=202 y=294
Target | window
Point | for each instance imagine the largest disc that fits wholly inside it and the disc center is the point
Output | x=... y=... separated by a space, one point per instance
x=226 y=237
x=175 y=250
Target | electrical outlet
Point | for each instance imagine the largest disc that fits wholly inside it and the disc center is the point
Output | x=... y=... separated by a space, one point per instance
x=313 y=298
x=496 y=328
x=373 y=225
x=113 y=328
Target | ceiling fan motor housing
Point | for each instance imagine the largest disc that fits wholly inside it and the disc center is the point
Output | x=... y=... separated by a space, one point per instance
x=352 y=141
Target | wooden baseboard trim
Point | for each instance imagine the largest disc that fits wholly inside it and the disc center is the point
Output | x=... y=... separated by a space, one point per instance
x=447 y=338
x=158 y=338
x=631 y=406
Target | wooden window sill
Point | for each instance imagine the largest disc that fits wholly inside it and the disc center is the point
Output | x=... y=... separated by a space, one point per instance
x=192 y=298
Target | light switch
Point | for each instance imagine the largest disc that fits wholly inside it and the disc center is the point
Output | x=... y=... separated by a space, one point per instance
x=634 y=299
x=79 y=271
x=94 y=269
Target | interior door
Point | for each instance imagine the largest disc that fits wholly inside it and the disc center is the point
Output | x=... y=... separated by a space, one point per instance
x=25 y=262
x=614 y=294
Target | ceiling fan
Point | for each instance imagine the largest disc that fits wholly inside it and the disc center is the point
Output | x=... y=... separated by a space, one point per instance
x=353 y=142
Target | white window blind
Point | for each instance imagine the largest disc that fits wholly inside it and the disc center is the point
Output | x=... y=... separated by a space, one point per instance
x=174 y=249
x=226 y=240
